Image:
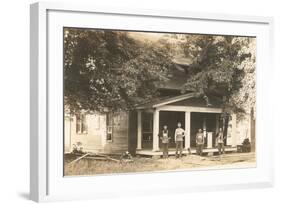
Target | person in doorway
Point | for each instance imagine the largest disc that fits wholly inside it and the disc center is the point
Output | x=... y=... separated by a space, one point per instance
x=179 y=135
x=220 y=141
x=199 y=142
x=165 y=141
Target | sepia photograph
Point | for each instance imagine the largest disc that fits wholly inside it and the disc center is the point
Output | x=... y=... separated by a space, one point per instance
x=139 y=101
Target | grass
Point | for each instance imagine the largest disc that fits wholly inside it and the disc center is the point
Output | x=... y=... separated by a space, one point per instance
x=93 y=167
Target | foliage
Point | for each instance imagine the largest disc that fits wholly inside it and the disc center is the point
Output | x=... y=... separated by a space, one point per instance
x=222 y=66
x=113 y=70
x=77 y=148
x=245 y=97
x=105 y=69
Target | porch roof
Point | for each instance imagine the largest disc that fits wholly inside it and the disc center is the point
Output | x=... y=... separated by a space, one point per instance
x=189 y=99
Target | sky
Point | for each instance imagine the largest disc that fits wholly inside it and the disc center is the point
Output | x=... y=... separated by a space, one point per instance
x=146 y=35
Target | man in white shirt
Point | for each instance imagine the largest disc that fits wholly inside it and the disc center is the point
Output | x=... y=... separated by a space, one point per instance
x=179 y=135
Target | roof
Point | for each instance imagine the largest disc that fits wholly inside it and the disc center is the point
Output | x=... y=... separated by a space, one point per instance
x=176 y=78
x=174 y=99
x=189 y=99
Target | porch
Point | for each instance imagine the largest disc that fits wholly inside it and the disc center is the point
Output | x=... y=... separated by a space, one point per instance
x=193 y=114
x=185 y=151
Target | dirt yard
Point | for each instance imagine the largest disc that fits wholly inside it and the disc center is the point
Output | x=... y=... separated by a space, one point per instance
x=93 y=167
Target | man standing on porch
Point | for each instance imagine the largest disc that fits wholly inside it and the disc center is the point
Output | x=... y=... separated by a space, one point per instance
x=220 y=141
x=165 y=141
x=179 y=135
x=199 y=142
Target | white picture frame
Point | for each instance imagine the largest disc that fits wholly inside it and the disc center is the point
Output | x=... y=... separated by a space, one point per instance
x=46 y=177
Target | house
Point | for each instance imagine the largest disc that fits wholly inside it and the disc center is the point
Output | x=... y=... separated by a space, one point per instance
x=137 y=131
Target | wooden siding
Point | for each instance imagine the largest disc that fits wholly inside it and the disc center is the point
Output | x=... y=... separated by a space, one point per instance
x=132 y=132
x=67 y=134
x=92 y=140
x=95 y=138
x=119 y=143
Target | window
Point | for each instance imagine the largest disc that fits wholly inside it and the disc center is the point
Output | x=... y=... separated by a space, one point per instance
x=81 y=124
x=109 y=127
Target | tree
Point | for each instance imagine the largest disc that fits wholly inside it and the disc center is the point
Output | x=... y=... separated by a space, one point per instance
x=106 y=69
x=221 y=67
x=245 y=98
x=113 y=70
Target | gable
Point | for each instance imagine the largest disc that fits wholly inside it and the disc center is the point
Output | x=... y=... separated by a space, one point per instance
x=189 y=99
x=198 y=102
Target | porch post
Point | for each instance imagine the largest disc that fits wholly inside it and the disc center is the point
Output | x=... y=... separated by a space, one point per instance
x=233 y=130
x=204 y=128
x=156 y=130
x=217 y=123
x=187 y=130
x=139 y=133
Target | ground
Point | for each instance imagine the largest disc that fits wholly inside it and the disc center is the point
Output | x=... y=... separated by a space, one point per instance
x=140 y=164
